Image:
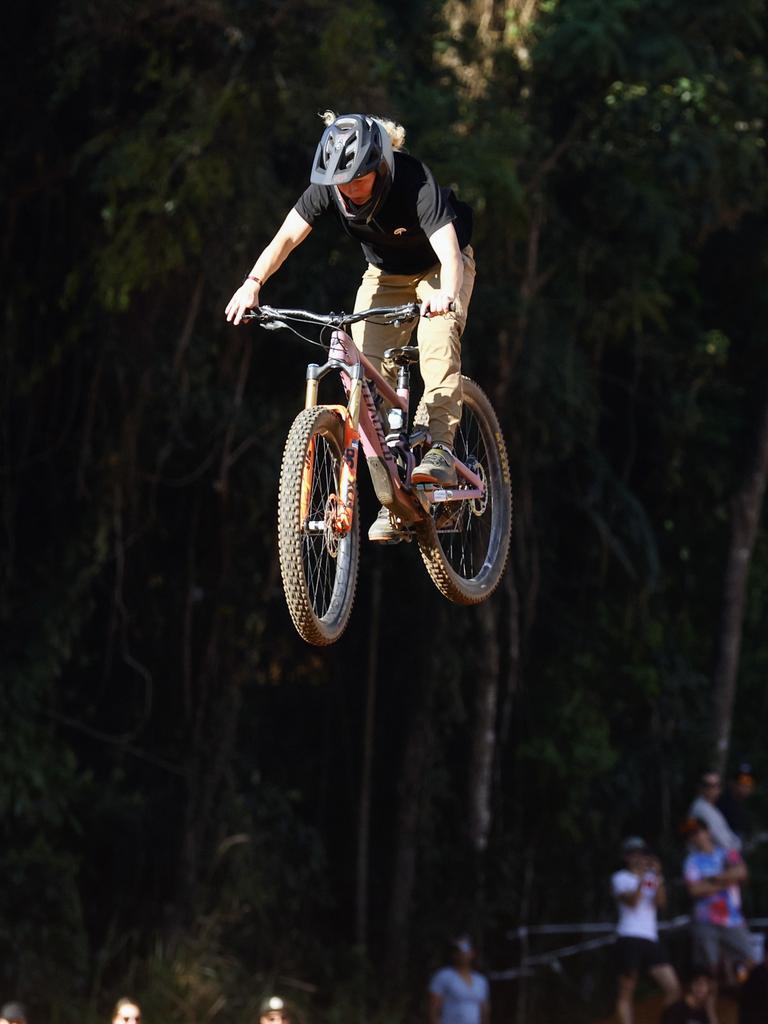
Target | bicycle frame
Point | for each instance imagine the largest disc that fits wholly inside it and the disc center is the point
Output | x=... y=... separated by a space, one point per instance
x=361 y=422
x=464 y=547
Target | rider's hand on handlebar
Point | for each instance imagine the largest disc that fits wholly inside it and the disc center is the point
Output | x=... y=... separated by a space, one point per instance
x=246 y=297
x=437 y=304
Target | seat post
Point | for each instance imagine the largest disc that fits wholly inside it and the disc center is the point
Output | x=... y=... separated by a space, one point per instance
x=402 y=357
x=396 y=417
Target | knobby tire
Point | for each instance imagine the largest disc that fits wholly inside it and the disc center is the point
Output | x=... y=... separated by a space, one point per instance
x=319 y=570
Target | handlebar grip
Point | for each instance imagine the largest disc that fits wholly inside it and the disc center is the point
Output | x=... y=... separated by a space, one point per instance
x=451 y=309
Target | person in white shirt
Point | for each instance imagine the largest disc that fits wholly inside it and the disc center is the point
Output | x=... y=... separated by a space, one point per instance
x=704 y=808
x=639 y=891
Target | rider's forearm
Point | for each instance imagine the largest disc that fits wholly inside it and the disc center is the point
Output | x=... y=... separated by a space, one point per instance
x=452 y=276
x=291 y=233
x=446 y=245
x=272 y=258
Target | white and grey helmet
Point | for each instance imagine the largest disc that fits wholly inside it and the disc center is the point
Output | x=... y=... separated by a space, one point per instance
x=352 y=146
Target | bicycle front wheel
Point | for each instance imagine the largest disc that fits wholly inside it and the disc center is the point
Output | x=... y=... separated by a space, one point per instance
x=465 y=545
x=318 y=563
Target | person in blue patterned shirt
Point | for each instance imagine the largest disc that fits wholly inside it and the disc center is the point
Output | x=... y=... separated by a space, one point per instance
x=713 y=877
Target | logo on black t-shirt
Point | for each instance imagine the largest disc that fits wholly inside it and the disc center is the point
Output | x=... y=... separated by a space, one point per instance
x=399 y=231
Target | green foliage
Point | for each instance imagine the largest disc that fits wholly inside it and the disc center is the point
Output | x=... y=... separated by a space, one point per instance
x=178 y=774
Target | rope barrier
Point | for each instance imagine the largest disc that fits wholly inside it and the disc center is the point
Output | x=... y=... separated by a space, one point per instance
x=553 y=957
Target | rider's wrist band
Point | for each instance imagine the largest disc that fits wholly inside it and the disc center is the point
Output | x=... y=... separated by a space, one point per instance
x=252 y=277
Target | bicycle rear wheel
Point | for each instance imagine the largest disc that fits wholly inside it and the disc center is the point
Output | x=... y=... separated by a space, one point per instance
x=318 y=564
x=466 y=544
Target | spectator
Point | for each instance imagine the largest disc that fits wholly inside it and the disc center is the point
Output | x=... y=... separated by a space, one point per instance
x=458 y=994
x=13 y=1013
x=753 y=996
x=697 y=1005
x=126 y=1011
x=704 y=808
x=274 y=1011
x=713 y=877
x=639 y=891
x=733 y=802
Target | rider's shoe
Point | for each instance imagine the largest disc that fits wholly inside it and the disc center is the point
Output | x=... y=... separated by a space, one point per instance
x=438 y=467
x=383 y=530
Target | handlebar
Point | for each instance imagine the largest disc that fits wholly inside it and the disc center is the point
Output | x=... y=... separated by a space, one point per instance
x=266 y=315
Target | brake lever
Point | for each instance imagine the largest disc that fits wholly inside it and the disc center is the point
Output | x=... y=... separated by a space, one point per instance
x=259 y=316
x=405 y=318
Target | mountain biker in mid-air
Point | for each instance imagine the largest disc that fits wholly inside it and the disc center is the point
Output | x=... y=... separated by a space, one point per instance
x=415 y=237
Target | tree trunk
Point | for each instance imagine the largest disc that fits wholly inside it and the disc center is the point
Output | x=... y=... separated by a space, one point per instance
x=746 y=509
x=364 y=806
x=416 y=760
x=212 y=697
x=484 y=732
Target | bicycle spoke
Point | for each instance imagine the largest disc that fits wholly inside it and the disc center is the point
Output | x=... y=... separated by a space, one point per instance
x=466 y=545
x=466 y=553
x=319 y=563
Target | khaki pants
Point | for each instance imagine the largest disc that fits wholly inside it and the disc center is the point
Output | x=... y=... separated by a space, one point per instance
x=439 y=338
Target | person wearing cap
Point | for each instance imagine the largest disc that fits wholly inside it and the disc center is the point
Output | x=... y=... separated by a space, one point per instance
x=713 y=877
x=458 y=994
x=705 y=808
x=274 y=1011
x=639 y=891
x=13 y=1013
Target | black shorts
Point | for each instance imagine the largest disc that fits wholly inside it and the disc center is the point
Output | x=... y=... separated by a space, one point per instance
x=638 y=954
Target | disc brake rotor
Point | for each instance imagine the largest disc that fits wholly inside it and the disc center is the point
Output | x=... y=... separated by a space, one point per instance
x=479 y=505
x=331 y=535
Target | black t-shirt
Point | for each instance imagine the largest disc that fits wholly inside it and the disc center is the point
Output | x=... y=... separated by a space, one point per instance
x=397 y=239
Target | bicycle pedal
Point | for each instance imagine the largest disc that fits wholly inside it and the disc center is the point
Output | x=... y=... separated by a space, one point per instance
x=425 y=487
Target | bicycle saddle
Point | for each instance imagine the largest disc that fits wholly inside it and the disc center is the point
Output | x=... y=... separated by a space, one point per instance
x=404 y=355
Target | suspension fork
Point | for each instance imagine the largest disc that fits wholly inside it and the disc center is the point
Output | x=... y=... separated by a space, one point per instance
x=307 y=474
x=350 y=417
x=347 y=495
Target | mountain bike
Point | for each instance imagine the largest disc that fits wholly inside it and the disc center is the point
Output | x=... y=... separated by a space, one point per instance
x=462 y=532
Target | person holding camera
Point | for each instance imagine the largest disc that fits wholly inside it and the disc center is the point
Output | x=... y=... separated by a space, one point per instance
x=639 y=891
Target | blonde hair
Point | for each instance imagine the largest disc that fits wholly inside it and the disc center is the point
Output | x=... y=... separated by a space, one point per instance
x=395 y=131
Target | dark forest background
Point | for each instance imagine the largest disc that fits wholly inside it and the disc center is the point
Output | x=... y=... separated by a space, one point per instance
x=197 y=807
